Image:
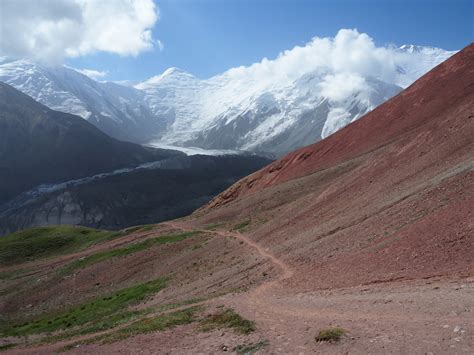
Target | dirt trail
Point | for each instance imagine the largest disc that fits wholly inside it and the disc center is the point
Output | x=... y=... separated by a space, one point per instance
x=286 y=271
x=379 y=317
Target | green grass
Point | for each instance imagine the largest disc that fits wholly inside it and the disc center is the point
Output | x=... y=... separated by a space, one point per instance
x=242 y=225
x=147 y=227
x=143 y=326
x=116 y=320
x=251 y=348
x=130 y=249
x=93 y=327
x=7 y=346
x=330 y=335
x=38 y=243
x=12 y=274
x=92 y=311
x=228 y=319
x=153 y=324
x=169 y=306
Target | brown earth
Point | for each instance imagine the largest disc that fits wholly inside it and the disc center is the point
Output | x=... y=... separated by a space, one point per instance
x=371 y=230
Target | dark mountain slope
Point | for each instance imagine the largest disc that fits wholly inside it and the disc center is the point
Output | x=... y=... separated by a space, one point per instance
x=39 y=145
x=137 y=197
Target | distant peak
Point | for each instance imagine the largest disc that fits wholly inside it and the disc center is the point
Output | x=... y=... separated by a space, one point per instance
x=411 y=48
x=171 y=74
x=174 y=71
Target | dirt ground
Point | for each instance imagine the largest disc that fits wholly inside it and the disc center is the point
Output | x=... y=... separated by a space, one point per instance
x=410 y=317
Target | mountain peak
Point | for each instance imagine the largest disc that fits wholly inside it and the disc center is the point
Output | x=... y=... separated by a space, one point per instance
x=411 y=48
x=169 y=75
x=174 y=71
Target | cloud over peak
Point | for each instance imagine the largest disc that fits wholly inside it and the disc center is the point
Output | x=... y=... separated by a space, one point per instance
x=93 y=74
x=50 y=30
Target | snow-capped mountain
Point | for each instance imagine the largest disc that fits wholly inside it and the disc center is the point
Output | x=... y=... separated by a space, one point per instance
x=247 y=110
x=118 y=110
x=273 y=106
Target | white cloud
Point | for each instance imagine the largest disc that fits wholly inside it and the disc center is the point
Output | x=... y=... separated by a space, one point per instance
x=93 y=74
x=343 y=63
x=337 y=87
x=50 y=30
x=349 y=51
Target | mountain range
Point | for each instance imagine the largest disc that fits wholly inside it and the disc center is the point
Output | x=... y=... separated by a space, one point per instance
x=360 y=243
x=57 y=168
x=236 y=110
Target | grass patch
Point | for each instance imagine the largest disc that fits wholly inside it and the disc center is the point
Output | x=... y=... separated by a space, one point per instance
x=331 y=335
x=11 y=274
x=147 y=227
x=7 y=346
x=39 y=243
x=130 y=249
x=143 y=326
x=152 y=324
x=100 y=325
x=92 y=311
x=141 y=228
x=116 y=320
x=228 y=319
x=242 y=225
x=251 y=348
x=169 y=306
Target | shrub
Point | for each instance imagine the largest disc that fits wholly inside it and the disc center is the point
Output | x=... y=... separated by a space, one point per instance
x=228 y=319
x=331 y=334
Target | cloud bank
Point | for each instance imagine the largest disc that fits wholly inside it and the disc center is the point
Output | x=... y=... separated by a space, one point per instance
x=50 y=30
x=343 y=62
x=348 y=52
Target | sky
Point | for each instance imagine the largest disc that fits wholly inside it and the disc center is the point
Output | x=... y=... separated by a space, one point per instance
x=137 y=39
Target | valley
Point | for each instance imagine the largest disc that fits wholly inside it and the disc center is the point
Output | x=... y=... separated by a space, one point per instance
x=360 y=243
x=57 y=168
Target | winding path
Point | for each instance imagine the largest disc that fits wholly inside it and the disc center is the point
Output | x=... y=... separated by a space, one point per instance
x=286 y=270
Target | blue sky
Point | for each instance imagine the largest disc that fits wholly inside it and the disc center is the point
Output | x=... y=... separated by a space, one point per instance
x=207 y=37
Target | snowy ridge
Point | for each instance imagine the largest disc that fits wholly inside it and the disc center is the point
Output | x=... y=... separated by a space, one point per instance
x=271 y=106
x=275 y=106
x=118 y=110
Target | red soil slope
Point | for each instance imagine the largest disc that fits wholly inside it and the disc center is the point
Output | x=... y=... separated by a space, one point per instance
x=388 y=197
x=439 y=104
